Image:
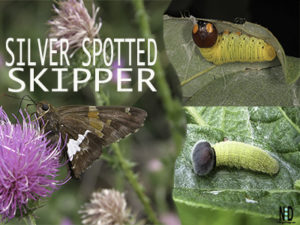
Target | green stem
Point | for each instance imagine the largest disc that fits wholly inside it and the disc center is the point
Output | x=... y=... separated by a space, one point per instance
x=29 y=220
x=289 y=120
x=172 y=107
x=196 y=116
x=100 y=99
x=133 y=180
x=196 y=76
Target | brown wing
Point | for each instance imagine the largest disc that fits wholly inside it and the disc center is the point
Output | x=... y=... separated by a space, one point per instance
x=90 y=127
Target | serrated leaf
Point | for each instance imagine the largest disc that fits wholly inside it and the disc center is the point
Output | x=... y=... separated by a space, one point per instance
x=240 y=190
x=203 y=83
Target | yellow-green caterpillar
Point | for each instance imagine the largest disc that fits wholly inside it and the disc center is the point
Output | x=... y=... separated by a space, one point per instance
x=233 y=154
x=230 y=47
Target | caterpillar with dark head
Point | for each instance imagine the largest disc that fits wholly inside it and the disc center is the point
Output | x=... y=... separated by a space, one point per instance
x=229 y=46
x=232 y=154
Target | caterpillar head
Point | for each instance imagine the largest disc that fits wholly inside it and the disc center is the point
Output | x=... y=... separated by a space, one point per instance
x=204 y=34
x=203 y=157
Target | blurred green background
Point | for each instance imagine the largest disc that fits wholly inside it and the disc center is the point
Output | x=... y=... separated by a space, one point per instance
x=151 y=148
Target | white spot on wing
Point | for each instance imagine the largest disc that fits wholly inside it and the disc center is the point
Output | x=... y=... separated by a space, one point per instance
x=73 y=145
x=250 y=201
x=127 y=110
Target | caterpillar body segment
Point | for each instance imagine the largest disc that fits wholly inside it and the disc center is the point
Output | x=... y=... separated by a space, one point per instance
x=238 y=48
x=242 y=155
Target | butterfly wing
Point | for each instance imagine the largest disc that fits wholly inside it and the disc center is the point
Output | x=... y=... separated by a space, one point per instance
x=83 y=146
x=89 y=128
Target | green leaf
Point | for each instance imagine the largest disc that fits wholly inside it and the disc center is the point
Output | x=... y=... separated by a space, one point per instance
x=204 y=216
x=203 y=83
x=293 y=69
x=240 y=190
x=293 y=114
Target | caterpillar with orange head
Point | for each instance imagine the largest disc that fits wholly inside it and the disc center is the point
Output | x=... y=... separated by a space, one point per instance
x=229 y=46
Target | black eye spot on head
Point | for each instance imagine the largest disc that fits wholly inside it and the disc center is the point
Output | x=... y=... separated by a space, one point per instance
x=204 y=158
x=204 y=34
x=45 y=107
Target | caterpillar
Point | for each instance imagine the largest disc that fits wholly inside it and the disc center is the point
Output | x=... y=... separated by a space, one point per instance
x=229 y=46
x=232 y=154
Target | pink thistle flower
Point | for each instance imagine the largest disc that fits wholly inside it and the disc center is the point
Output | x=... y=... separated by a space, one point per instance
x=73 y=23
x=115 y=67
x=170 y=219
x=66 y=221
x=154 y=165
x=28 y=164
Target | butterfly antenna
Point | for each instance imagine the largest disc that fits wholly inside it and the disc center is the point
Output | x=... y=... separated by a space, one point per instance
x=10 y=96
x=29 y=99
x=17 y=97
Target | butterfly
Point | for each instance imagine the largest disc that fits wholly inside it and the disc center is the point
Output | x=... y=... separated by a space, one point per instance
x=87 y=129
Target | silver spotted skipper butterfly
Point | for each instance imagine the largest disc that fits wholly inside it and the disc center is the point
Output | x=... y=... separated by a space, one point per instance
x=87 y=129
